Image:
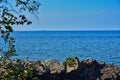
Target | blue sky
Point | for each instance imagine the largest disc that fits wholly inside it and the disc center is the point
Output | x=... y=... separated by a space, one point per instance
x=76 y=15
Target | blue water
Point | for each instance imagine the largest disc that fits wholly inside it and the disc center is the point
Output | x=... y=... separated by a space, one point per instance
x=42 y=45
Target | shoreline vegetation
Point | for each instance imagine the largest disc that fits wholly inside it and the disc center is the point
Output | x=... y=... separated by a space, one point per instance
x=71 y=69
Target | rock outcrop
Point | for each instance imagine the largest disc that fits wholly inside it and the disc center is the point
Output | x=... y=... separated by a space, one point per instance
x=48 y=67
x=88 y=69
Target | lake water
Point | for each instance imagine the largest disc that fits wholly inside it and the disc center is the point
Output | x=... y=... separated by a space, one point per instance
x=42 y=45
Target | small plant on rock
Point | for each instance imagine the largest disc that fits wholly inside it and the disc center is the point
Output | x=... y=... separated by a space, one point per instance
x=69 y=61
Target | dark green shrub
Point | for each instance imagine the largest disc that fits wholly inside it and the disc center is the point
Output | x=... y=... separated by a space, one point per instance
x=69 y=61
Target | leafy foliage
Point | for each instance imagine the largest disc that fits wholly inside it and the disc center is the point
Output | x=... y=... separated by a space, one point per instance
x=11 y=49
x=69 y=61
x=17 y=70
x=10 y=16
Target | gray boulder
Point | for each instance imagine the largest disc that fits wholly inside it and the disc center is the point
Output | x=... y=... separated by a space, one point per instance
x=49 y=67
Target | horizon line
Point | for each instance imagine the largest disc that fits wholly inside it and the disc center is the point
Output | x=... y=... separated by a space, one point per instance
x=66 y=30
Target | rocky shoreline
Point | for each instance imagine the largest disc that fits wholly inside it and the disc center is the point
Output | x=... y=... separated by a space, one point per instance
x=88 y=69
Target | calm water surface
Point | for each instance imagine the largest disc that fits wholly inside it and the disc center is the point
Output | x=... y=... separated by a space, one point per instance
x=101 y=45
